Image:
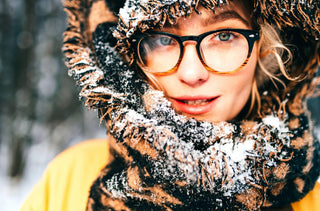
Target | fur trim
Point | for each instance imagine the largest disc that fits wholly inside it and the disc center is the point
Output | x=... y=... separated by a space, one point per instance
x=304 y=15
x=155 y=146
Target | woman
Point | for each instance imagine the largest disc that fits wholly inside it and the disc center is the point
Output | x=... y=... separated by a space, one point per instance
x=203 y=101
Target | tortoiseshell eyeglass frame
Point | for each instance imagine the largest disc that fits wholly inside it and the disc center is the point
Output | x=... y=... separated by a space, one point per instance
x=250 y=35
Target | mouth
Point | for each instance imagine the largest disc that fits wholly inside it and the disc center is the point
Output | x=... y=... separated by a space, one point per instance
x=194 y=105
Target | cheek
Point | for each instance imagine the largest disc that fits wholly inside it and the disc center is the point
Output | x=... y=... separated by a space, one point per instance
x=237 y=94
x=240 y=87
x=241 y=92
x=244 y=85
x=158 y=82
x=164 y=83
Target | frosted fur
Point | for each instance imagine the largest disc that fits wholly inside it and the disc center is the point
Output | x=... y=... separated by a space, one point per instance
x=131 y=8
x=169 y=161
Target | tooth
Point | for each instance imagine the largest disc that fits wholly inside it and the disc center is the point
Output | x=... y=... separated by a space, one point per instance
x=196 y=102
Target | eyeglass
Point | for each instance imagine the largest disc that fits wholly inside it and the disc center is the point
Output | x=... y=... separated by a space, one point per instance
x=222 y=51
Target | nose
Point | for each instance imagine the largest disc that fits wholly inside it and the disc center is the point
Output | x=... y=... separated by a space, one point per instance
x=191 y=71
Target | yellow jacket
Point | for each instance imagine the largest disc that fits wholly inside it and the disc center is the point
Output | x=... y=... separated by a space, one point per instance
x=66 y=182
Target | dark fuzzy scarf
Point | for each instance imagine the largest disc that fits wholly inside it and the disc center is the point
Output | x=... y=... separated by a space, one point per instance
x=165 y=161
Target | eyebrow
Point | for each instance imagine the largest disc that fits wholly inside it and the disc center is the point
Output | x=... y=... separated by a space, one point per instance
x=223 y=16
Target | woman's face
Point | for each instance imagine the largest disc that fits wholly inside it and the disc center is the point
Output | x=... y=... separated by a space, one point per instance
x=192 y=89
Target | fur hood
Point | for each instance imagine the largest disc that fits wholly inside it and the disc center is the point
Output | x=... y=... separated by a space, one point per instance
x=170 y=161
x=117 y=21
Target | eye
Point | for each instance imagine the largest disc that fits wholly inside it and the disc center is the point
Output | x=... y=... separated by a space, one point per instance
x=225 y=36
x=165 y=40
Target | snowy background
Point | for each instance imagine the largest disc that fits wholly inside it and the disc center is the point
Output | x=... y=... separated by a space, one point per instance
x=40 y=113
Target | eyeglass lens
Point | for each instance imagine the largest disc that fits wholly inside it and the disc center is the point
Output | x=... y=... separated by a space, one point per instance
x=158 y=52
x=223 y=51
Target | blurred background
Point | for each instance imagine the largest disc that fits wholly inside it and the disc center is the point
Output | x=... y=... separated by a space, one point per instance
x=40 y=113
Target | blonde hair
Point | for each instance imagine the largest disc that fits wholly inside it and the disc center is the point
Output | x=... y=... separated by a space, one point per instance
x=273 y=60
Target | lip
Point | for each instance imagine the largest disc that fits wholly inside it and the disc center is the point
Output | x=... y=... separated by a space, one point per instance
x=194 y=109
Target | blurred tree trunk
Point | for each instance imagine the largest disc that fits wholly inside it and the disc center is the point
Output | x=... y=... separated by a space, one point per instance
x=25 y=84
x=5 y=31
x=18 y=29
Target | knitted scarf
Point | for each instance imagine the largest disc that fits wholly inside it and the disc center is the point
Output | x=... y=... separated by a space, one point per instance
x=166 y=161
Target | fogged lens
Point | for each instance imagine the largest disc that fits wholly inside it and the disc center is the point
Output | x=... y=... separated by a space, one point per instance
x=158 y=52
x=224 y=51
